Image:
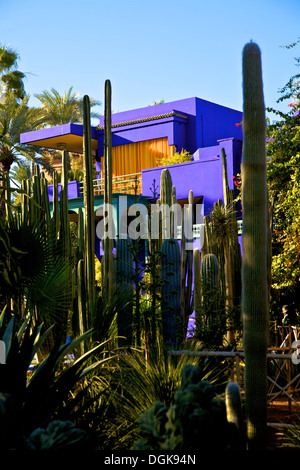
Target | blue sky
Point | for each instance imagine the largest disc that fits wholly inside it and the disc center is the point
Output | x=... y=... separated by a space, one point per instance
x=151 y=50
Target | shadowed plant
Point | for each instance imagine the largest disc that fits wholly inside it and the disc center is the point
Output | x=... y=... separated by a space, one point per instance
x=33 y=272
x=33 y=399
x=136 y=385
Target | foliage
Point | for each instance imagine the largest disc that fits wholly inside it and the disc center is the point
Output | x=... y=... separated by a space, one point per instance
x=137 y=384
x=283 y=163
x=16 y=118
x=62 y=109
x=196 y=420
x=290 y=438
x=57 y=435
x=32 y=267
x=33 y=401
x=11 y=78
x=182 y=157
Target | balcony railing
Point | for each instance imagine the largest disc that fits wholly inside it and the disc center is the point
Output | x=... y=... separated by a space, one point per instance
x=197 y=228
x=129 y=184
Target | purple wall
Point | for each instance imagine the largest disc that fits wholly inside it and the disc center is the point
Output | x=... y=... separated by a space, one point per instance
x=202 y=125
x=204 y=175
x=73 y=190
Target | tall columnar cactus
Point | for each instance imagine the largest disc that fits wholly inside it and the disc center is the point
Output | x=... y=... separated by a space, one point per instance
x=80 y=235
x=64 y=212
x=124 y=270
x=171 y=292
x=166 y=201
x=45 y=200
x=124 y=263
x=225 y=179
x=197 y=289
x=210 y=272
x=254 y=241
x=107 y=262
x=56 y=218
x=186 y=255
x=89 y=220
x=234 y=415
x=81 y=326
x=206 y=246
x=174 y=214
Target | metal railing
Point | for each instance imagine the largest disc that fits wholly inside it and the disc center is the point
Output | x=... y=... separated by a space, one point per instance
x=129 y=184
x=196 y=231
x=280 y=381
x=197 y=228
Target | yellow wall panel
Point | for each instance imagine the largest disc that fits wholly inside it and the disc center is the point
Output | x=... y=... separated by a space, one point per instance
x=134 y=157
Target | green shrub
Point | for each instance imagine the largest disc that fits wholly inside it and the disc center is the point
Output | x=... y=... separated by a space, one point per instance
x=182 y=157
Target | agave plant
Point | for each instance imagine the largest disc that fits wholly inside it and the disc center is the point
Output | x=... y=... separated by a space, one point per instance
x=31 y=402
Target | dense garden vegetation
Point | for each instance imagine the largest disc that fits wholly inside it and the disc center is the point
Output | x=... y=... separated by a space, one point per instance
x=92 y=366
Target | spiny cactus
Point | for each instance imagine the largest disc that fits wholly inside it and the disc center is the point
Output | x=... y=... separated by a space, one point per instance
x=58 y=435
x=107 y=261
x=212 y=315
x=225 y=179
x=55 y=204
x=64 y=212
x=89 y=220
x=196 y=420
x=170 y=292
x=234 y=415
x=254 y=240
x=123 y=268
x=210 y=272
x=197 y=289
x=186 y=255
x=166 y=201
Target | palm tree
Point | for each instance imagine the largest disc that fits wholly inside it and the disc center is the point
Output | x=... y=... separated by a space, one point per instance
x=63 y=109
x=33 y=271
x=16 y=118
x=11 y=79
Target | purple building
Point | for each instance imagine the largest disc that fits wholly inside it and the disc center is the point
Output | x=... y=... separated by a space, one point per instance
x=142 y=137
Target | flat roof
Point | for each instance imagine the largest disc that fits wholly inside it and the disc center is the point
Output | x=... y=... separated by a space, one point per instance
x=66 y=136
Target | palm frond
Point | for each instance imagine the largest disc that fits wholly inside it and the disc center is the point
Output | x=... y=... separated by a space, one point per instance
x=224 y=225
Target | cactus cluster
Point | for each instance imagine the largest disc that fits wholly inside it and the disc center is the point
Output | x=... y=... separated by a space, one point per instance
x=220 y=297
x=198 y=419
x=215 y=270
x=35 y=206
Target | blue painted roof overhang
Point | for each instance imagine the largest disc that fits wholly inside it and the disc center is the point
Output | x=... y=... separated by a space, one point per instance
x=70 y=136
x=66 y=136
